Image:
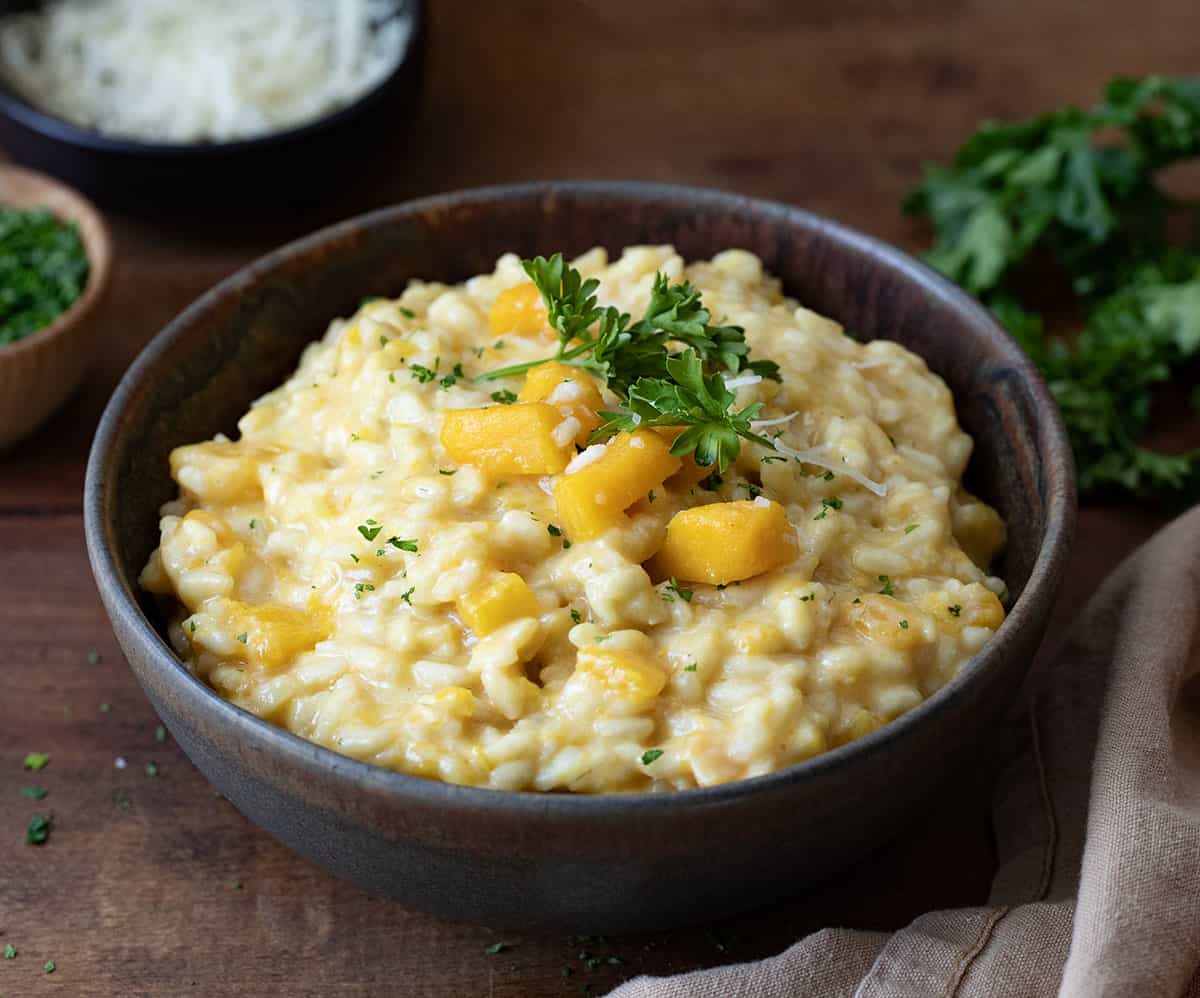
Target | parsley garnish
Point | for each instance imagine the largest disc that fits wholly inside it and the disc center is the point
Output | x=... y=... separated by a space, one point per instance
x=1079 y=188
x=408 y=313
x=160 y=733
x=955 y=610
x=650 y=755
x=151 y=769
x=504 y=397
x=496 y=948
x=712 y=482
x=808 y=597
x=650 y=496
x=691 y=668
x=656 y=387
x=447 y=471
x=827 y=505
x=403 y=545
x=33 y=792
x=49 y=967
x=576 y=616
x=10 y=952
x=407 y=595
x=683 y=594
x=243 y=637
x=911 y=527
x=36 y=760
x=422 y=373
x=553 y=531
x=887 y=586
x=369 y=530
x=450 y=380
x=904 y=625
x=773 y=459
x=362 y=587
x=93 y=657
x=38 y=831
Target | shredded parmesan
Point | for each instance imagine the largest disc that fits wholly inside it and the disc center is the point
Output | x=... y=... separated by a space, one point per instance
x=762 y=424
x=181 y=71
x=741 y=381
x=816 y=456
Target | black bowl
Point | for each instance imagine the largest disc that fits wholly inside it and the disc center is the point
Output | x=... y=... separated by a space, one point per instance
x=280 y=167
x=606 y=862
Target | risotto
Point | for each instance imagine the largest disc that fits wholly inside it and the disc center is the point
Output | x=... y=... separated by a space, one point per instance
x=460 y=579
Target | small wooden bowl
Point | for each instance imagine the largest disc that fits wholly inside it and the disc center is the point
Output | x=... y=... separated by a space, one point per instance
x=39 y=372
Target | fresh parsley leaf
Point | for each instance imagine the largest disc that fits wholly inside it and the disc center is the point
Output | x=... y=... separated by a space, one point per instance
x=36 y=760
x=1080 y=187
x=650 y=755
x=402 y=544
x=38 y=831
x=422 y=373
x=369 y=530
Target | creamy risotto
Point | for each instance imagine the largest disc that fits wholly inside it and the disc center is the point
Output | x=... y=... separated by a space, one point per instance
x=439 y=574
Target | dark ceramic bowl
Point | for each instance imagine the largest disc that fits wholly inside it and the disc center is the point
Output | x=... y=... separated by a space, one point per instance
x=598 y=863
x=287 y=166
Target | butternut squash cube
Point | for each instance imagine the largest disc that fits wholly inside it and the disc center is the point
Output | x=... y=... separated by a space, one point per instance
x=571 y=391
x=627 y=679
x=519 y=311
x=725 y=542
x=507 y=439
x=271 y=635
x=501 y=600
x=593 y=498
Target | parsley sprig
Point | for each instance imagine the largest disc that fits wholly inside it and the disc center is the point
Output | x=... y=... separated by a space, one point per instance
x=1078 y=187
x=656 y=385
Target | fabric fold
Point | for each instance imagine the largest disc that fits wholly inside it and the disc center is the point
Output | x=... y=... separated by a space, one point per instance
x=1097 y=823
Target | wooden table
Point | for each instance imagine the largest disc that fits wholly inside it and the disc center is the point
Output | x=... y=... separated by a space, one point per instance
x=152 y=884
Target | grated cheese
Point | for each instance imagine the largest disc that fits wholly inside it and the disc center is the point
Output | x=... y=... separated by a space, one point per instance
x=178 y=71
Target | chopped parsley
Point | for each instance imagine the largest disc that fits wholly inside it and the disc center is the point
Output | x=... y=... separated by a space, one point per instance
x=447 y=471
x=362 y=587
x=504 y=397
x=105 y=708
x=712 y=482
x=955 y=610
x=369 y=530
x=243 y=637
x=354 y=557
x=496 y=948
x=553 y=531
x=576 y=616
x=403 y=545
x=887 y=589
x=808 y=597
x=43 y=270
x=38 y=831
x=49 y=967
x=904 y=625
x=833 y=502
x=691 y=668
x=33 y=792
x=450 y=380
x=650 y=755
x=253 y=524
x=566 y=544
x=36 y=760
x=422 y=373
x=650 y=496
x=828 y=476
x=408 y=313
x=752 y=490
x=407 y=595
x=911 y=527
x=93 y=657
x=151 y=769
x=773 y=459
x=160 y=733
x=10 y=952
x=674 y=587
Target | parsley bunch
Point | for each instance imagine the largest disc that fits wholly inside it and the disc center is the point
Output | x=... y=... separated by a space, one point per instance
x=657 y=387
x=1077 y=188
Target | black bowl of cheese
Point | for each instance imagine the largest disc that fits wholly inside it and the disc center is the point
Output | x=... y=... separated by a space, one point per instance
x=171 y=103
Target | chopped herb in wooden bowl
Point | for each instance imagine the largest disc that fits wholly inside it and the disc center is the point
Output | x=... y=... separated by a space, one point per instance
x=43 y=271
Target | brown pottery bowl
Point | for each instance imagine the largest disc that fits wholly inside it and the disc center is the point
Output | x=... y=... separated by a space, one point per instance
x=588 y=863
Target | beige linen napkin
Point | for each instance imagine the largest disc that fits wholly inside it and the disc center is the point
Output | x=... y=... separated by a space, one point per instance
x=1097 y=824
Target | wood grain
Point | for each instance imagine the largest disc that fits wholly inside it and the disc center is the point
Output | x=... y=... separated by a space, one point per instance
x=832 y=105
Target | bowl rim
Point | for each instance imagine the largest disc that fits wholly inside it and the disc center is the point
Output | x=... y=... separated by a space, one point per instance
x=51 y=126
x=97 y=245
x=298 y=752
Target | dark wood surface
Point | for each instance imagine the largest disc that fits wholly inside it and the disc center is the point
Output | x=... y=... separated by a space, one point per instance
x=152 y=885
